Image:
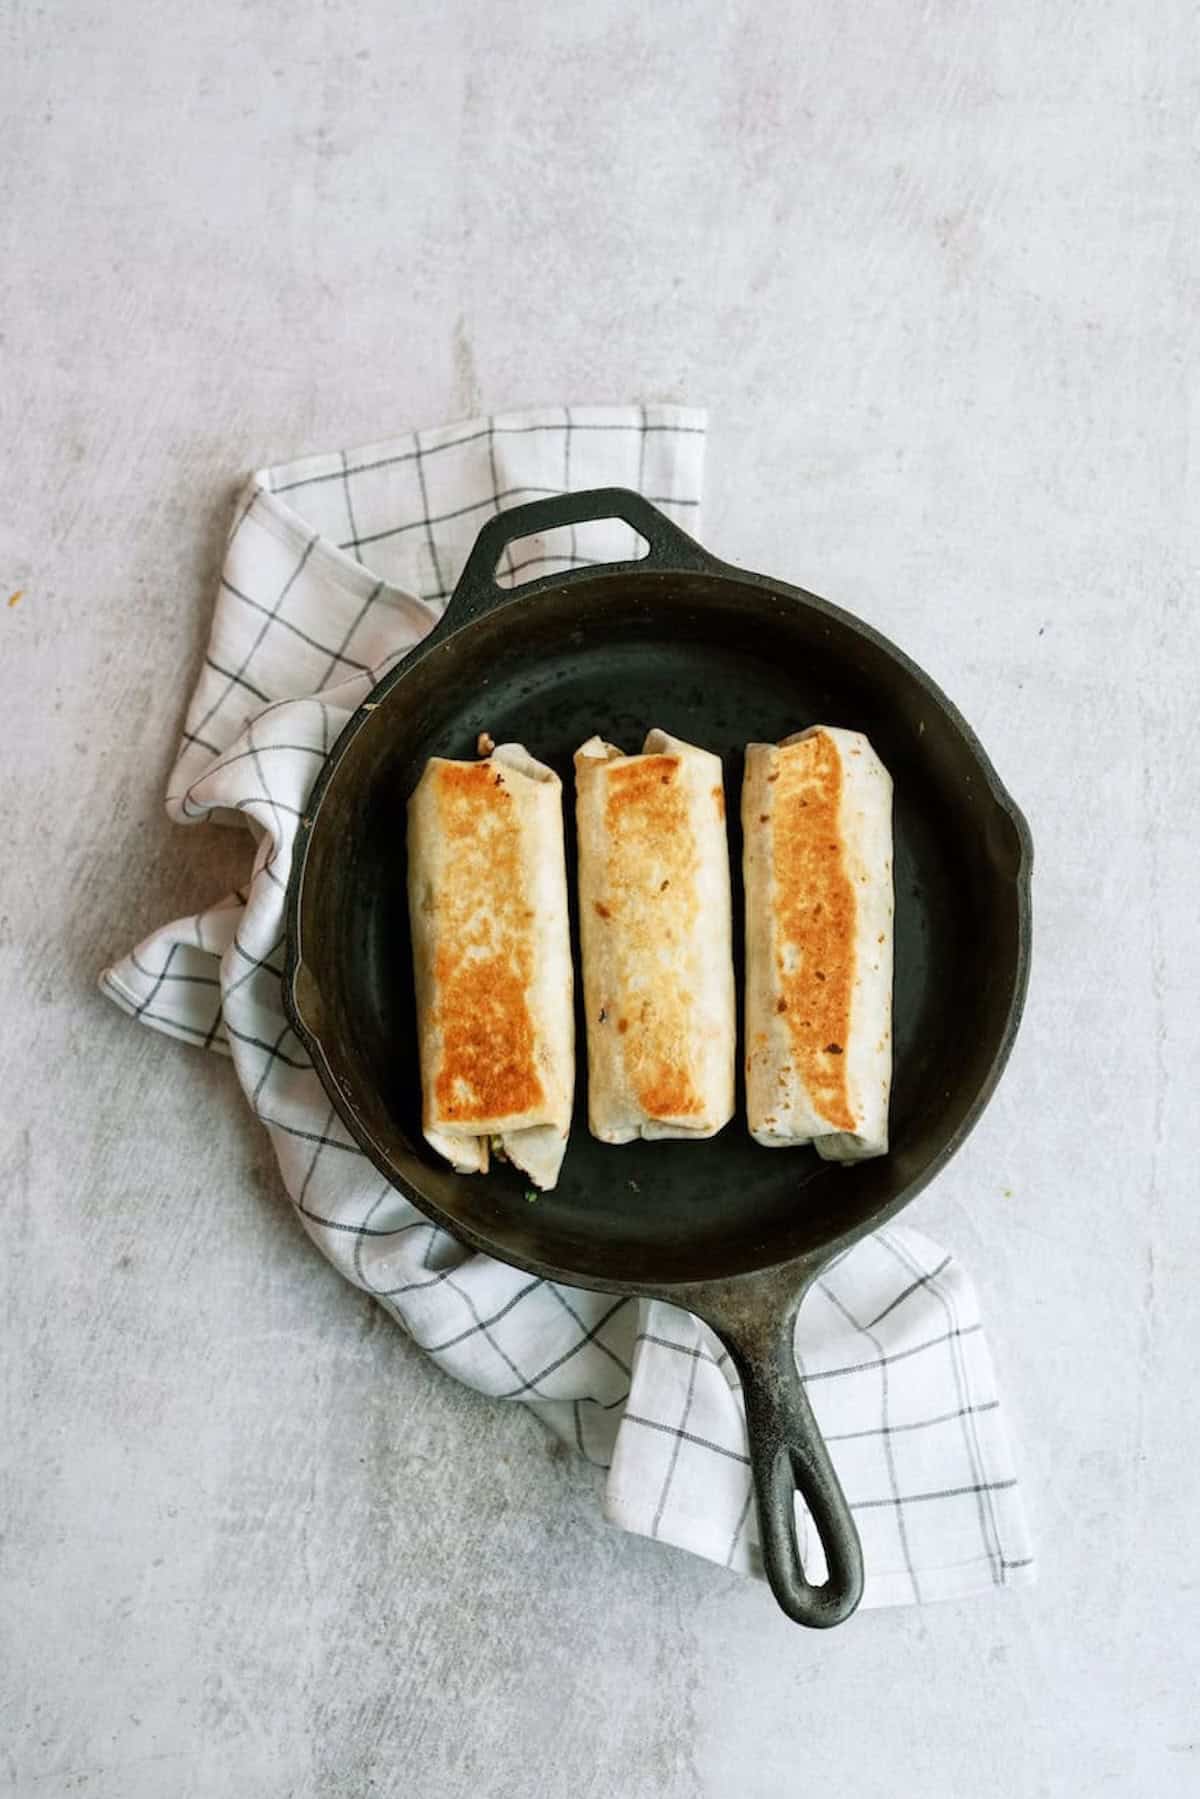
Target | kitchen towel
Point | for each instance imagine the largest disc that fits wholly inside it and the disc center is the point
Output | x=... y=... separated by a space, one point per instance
x=334 y=568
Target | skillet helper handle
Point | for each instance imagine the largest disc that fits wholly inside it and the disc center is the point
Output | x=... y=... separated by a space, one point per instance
x=788 y=1456
x=668 y=547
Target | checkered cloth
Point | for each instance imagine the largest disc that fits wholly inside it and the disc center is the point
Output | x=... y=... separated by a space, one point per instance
x=335 y=568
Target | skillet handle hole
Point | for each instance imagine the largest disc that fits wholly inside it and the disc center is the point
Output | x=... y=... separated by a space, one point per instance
x=811 y=1552
x=562 y=547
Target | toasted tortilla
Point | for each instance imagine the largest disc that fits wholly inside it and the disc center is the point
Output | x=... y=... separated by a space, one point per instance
x=654 y=909
x=817 y=864
x=487 y=897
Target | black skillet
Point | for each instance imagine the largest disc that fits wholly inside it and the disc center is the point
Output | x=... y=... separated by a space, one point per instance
x=733 y=1233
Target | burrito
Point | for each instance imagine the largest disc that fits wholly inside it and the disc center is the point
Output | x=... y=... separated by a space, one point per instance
x=487 y=898
x=654 y=913
x=817 y=861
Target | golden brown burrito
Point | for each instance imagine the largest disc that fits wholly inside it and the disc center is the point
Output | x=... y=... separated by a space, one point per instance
x=487 y=897
x=654 y=911
x=817 y=862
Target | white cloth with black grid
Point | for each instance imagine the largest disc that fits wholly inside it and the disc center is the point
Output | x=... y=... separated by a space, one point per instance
x=335 y=567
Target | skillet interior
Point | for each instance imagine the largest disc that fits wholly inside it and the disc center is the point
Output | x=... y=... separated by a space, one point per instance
x=720 y=659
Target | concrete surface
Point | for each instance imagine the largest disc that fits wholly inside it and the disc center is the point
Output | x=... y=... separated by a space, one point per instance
x=934 y=269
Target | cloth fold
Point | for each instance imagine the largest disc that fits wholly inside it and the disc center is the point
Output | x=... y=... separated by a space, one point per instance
x=335 y=567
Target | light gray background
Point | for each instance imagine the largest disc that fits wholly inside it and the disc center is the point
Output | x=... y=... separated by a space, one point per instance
x=934 y=269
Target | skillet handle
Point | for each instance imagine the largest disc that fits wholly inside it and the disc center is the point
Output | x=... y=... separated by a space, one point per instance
x=478 y=590
x=788 y=1456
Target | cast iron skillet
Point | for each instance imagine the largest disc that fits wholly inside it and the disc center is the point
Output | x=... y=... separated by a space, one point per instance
x=732 y=1232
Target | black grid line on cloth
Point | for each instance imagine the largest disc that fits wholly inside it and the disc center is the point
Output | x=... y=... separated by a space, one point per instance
x=599 y=1405
x=749 y=1501
x=199 y=947
x=436 y=1236
x=349 y=1230
x=681 y=1435
x=740 y=1526
x=244 y=514
x=360 y=1273
x=885 y=1432
x=264 y=799
x=359 y=668
x=426 y=522
x=898 y=1355
x=339 y=655
x=167 y=974
x=303 y=699
x=274 y=1053
x=686 y=1436
x=217 y=1019
x=258 y=965
x=263 y=749
x=128 y=1004
x=915 y=1286
x=197 y=923
x=236 y=679
x=606 y=1405
x=142 y=1010
x=303 y=1136
x=321 y=1141
x=491 y=437
x=483 y=1325
x=902 y=1499
x=267 y=864
x=216 y=1023
x=612 y=1355
x=275 y=805
x=566 y=486
x=400 y=1230
x=590 y=1336
x=436 y=1277
x=264 y=628
x=988 y=1525
x=349 y=504
x=493 y=430
x=200 y=742
x=579 y=1442
x=700 y=1351
x=895 y=1430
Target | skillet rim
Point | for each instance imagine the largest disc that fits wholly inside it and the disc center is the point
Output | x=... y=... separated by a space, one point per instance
x=791 y=1266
